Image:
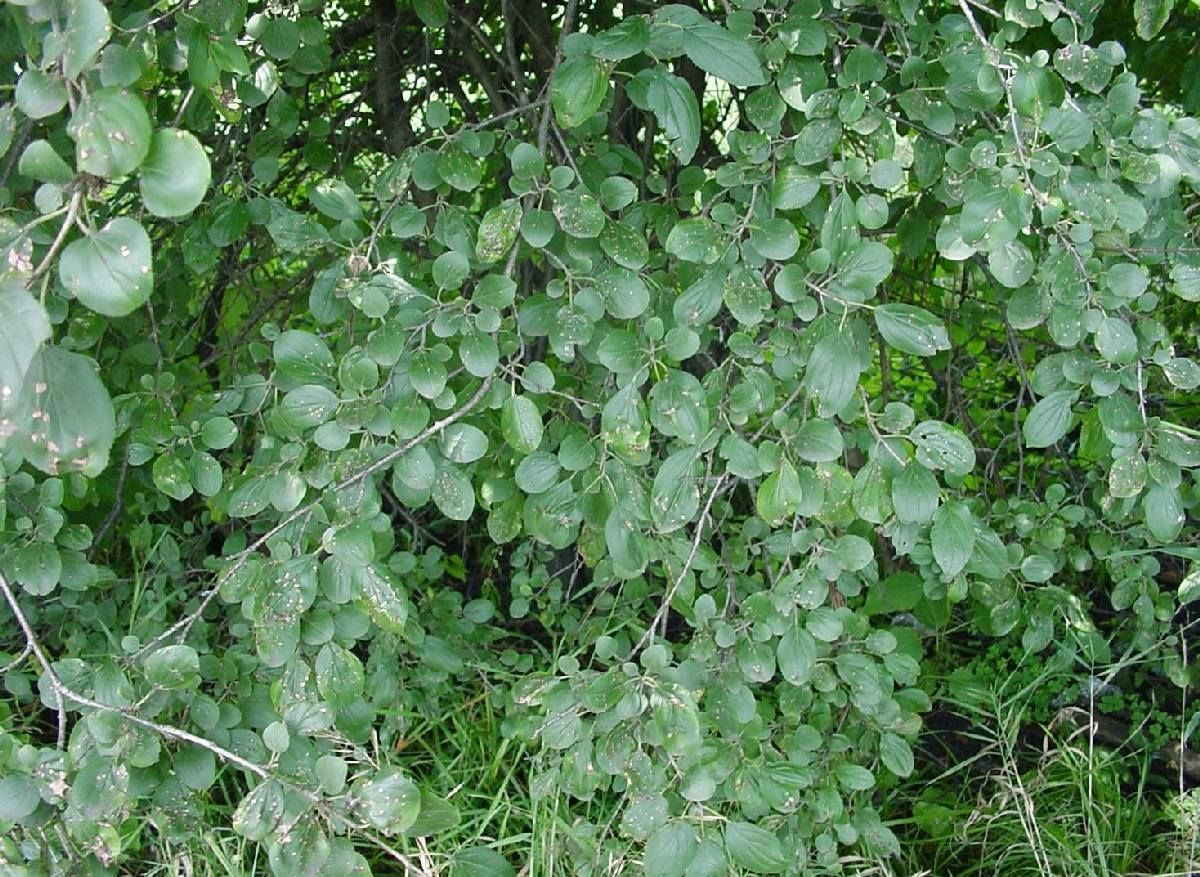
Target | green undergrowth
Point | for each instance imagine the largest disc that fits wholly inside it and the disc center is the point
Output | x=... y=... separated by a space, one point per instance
x=1023 y=776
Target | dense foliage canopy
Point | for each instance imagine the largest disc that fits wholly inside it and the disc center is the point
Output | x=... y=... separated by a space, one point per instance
x=659 y=380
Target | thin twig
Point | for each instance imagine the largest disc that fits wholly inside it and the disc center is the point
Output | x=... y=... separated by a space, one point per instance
x=665 y=608
x=68 y=221
x=118 y=504
x=19 y=659
x=567 y=21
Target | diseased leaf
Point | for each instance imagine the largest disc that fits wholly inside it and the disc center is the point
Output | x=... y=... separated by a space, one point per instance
x=63 y=418
x=1151 y=16
x=24 y=327
x=674 y=106
x=110 y=271
x=578 y=89
x=911 y=329
x=112 y=133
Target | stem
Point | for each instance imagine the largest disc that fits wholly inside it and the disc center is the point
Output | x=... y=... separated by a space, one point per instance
x=72 y=213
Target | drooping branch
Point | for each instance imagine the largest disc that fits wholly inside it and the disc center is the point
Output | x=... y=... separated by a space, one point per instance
x=64 y=693
x=181 y=627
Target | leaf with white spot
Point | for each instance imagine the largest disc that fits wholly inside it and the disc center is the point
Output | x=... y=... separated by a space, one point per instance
x=24 y=327
x=112 y=133
x=64 y=415
x=88 y=28
x=110 y=271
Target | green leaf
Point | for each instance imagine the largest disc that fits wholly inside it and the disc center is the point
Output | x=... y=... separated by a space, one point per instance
x=1189 y=589
x=453 y=494
x=521 y=424
x=301 y=358
x=41 y=162
x=911 y=329
x=794 y=187
x=88 y=29
x=173 y=476
x=437 y=815
x=577 y=90
x=463 y=443
x=382 y=600
x=623 y=41
x=37 y=567
x=479 y=353
x=307 y=406
x=259 y=811
x=819 y=441
x=1186 y=281
x=110 y=271
x=797 y=656
x=675 y=496
x=1050 y=419
x=816 y=141
x=670 y=850
x=389 y=802
x=579 y=214
x=1116 y=342
x=433 y=13
x=832 y=373
x=695 y=240
x=479 y=861
x=218 y=433
x=941 y=446
x=537 y=473
x=780 y=495
x=173 y=667
x=498 y=231
x=754 y=848
x=854 y=777
x=340 y=675
x=40 y=94
x=746 y=296
x=899 y=592
x=1012 y=264
x=1151 y=16
x=674 y=105
x=195 y=767
x=953 y=537
x=896 y=754
x=719 y=52
x=1163 y=509
x=701 y=301
x=625 y=294
x=175 y=175
x=427 y=374
x=915 y=494
x=112 y=133
x=775 y=239
x=678 y=407
x=625 y=543
x=335 y=199
x=19 y=797
x=69 y=416
x=24 y=327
